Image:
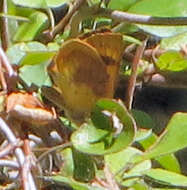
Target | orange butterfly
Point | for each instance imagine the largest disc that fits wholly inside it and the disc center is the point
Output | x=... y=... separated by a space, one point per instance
x=86 y=69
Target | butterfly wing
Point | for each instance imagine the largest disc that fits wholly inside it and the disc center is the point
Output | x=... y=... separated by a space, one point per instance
x=110 y=46
x=81 y=75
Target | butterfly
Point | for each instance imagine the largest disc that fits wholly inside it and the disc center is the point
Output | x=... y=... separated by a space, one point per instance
x=85 y=69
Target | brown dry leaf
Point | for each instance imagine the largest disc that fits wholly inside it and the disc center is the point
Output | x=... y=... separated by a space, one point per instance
x=26 y=107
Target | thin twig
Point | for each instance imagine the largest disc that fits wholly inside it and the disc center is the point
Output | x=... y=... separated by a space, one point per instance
x=132 y=80
x=9 y=163
x=140 y=19
x=2 y=79
x=4 y=25
x=4 y=151
x=75 y=21
x=5 y=129
x=61 y=25
x=11 y=75
x=6 y=64
x=110 y=179
x=62 y=146
x=149 y=52
x=96 y=11
x=25 y=173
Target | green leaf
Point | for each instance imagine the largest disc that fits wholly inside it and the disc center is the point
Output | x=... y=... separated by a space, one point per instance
x=169 y=162
x=147 y=142
x=121 y=4
x=68 y=165
x=161 y=8
x=30 y=3
x=136 y=172
x=127 y=28
x=35 y=46
x=140 y=186
x=172 y=61
x=120 y=165
x=74 y=184
x=39 y=3
x=37 y=57
x=172 y=139
x=174 y=43
x=98 y=141
x=142 y=119
x=29 y=53
x=11 y=7
x=101 y=120
x=28 y=31
x=131 y=39
x=84 y=169
x=120 y=160
x=94 y=2
x=35 y=74
x=53 y=46
x=142 y=134
x=24 y=11
x=16 y=52
x=13 y=17
x=12 y=23
x=165 y=178
x=169 y=8
x=56 y=3
x=98 y=22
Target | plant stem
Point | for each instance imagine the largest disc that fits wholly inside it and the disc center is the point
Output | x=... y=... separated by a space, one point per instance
x=4 y=25
x=132 y=79
x=141 y=19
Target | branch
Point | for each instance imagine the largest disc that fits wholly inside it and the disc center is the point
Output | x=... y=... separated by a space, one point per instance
x=6 y=64
x=11 y=77
x=95 y=11
x=4 y=26
x=132 y=79
x=140 y=19
x=5 y=129
x=62 y=146
x=4 y=151
x=67 y=18
x=9 y=163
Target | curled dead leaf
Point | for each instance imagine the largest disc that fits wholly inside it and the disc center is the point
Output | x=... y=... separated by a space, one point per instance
x=27 y=107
